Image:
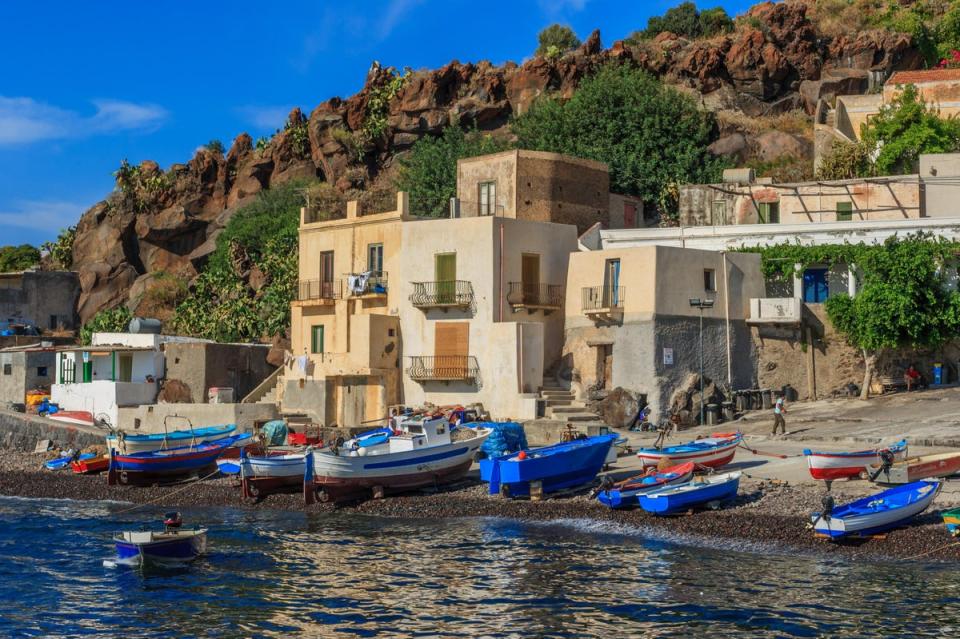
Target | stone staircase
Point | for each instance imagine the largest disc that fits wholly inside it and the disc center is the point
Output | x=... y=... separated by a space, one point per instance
x=562 y=405
x=266 y=391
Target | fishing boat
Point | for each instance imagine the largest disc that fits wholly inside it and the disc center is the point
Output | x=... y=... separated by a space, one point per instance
x=710 y=452
x=173 y=545
x=141 y=443
x=701 y=491
x=626 y=493
x=826 y=465
x=555 y=467
x=914 y=469
x=278 y=469
x=165 y=465
x=64 y=462
x=424 y=453
x=76 y=417
x=90 y=465
x=952 y=520
x=877 y=513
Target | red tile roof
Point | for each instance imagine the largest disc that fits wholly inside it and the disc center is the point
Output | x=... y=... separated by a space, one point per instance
x=930 y=75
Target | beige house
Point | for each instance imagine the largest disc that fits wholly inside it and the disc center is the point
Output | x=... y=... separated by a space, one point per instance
x=629 y=320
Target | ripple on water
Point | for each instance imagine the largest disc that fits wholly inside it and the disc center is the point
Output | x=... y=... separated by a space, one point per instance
x=276 y=574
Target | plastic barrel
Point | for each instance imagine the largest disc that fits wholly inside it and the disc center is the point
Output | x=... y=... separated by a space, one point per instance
x=937 y=373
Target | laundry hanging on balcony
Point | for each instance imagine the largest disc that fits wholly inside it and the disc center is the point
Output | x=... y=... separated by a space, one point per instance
x=358 y=283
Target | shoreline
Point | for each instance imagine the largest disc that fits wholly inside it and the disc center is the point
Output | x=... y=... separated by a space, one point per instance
x=766 y=513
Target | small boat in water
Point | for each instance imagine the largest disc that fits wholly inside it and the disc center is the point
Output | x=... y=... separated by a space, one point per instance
x=425 y=452
x=555 y=467
x=914 y=469
x=141 y=443
x=700 y=491
x=710 y=452
x=165 y=465
x=885 y=510
x=626 y=493
x=826 y=465
x=952 y=520
x=172 y=546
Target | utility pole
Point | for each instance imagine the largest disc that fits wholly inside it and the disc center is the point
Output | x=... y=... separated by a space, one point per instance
x=701 y=304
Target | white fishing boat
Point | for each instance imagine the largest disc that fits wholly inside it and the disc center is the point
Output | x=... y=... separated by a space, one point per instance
x=425 y=452
x=278 y=469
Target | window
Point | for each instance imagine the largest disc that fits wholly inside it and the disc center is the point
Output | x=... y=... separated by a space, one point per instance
x=53 y=323
x=769 y=212
x=42 y=371
x=488 y=198
x=8 y=369
x=125 y=367
x=326 y=274
x=709 y=279
x=316 y=339
x=815 y=286
x=375 y=258
x=718 y=213
x=844 y=211
x=611 y=284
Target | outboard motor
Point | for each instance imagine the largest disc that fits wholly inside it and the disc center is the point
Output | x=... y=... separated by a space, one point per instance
x=172 y=521
x=828 y=503
x=886 y=461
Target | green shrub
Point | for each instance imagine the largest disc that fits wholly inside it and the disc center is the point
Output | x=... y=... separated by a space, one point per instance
x=556 y=40
x=18 y=258
x=429 y=171
x=649 y=135
x=215 y=146
x=684 y=20
x=844 y=161
x=61 y=250
x=114 y=320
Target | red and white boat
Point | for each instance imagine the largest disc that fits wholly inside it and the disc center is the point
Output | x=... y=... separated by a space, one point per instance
x=914 y=469
x=824 y=465
x=710 y=452
x=78 y=417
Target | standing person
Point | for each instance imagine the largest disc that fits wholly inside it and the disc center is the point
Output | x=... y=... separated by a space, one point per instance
x=779 y=409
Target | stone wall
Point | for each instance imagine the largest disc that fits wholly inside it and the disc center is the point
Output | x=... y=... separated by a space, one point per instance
x=44 y=298
x=150 y=418
x=201 y=366
x=22 y=432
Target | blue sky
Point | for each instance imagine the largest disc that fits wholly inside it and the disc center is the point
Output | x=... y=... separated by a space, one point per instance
x=85 y=84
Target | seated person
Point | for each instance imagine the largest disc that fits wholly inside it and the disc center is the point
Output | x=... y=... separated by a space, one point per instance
x=913 y=378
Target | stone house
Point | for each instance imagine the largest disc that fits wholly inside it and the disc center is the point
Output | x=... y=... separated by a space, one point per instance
x=629 y=321
x=25 y=368
x=45 y=299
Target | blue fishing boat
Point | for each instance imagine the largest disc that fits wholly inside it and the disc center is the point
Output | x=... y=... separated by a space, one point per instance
x=556 y=467
x=698 y=492
x=626 y=493
x=877 y=513
x=173 y=545
x=165 y=465
x=64 y=462
x=142 y=443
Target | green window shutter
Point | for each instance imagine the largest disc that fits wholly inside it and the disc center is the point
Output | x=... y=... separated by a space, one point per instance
x=844 y=211
x=316 y=339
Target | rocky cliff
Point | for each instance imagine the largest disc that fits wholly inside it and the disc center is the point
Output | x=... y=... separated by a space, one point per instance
x=775 y=62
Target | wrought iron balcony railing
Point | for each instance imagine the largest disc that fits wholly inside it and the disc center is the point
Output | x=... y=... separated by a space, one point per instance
x=534 y=295
x=446 y=294
x=369 y=283
x=443 y=368
x=319 y=290
x=603 y=298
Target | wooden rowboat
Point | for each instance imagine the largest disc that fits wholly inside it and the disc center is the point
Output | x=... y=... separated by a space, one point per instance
x=877 y=513
x=916 y=468
x=709 y=452
x=834 y=465
x=626 y=493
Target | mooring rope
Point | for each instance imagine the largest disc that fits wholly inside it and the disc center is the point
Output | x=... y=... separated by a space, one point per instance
x=181 y=489
x=929 y=552
x=760 y=452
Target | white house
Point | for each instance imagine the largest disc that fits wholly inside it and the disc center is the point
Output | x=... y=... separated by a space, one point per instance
x=117 y=369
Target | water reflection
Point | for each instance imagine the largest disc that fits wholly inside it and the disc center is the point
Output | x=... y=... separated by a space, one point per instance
x=280 y=574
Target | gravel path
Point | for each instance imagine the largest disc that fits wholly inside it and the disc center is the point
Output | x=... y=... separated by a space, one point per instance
x=770 y=514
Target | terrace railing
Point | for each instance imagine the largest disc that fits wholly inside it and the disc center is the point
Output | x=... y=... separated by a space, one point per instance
x=444 y=368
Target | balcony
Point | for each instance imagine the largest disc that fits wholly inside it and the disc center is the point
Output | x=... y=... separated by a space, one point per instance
x=535 y=297
x=368 y=285
x=319 y=291
x=775 y=310
x=445 y=295
x=443 y=368
x=603 y=302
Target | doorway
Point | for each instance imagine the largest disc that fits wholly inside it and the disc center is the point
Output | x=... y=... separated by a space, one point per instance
x=605 y=366
x=530 y=277
x=445 y=269
x=451 y=346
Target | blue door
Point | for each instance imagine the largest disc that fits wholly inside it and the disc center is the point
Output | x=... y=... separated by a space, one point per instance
x=815 y=285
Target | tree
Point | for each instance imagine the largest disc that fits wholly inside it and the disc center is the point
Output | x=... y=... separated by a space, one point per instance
x=903 y=300
x=18 y=258
x=684 y=20
x=845 y=160
x=113 y=320
x=651 y=136
x=215 y=146
x=904 y=129
x=556 y=40
x=429 y=172
x=61 y=250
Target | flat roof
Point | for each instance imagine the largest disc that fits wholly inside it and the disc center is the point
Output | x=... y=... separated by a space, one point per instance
x=927 y=75
x=105 y=348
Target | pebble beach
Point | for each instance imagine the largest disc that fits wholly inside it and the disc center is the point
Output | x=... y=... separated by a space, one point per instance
x=767 y=515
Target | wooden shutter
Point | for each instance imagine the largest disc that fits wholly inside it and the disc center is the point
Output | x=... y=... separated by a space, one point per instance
x=844 y=211
x=451 y=347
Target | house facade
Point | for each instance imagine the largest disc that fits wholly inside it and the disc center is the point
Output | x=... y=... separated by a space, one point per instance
x=25 y=368
x=629 y=321
x=45 y=299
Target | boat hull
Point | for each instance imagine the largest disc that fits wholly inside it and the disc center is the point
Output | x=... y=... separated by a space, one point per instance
x=163 y=466
x=146 y=443
x=179 y=548
x=849 y=521
x=78 y=417
x=675 y=499
x=916 y=468
x=330 y=477
x=714 y=457
x=556 y=467
x=831 y=466
x=264 y=475
x=91 y=466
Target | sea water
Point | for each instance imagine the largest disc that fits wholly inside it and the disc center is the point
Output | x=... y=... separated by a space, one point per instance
x=290 y=574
